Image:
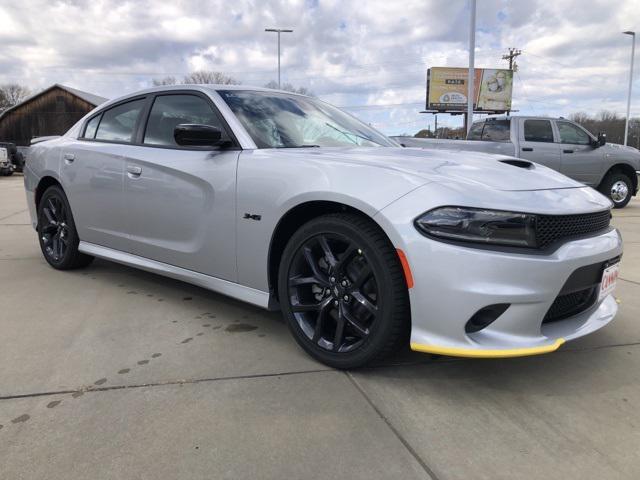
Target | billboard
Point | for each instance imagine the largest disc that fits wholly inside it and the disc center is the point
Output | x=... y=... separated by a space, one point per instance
x=447 y=89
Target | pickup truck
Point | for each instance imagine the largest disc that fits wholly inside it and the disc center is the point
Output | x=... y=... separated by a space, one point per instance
x=6 y=166
x=11 y=159
x=557 y=143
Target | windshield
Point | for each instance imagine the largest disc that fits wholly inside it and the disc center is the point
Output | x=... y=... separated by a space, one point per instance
x=280 y=120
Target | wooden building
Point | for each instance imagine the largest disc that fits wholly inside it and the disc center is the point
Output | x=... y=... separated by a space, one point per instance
x=49 y=112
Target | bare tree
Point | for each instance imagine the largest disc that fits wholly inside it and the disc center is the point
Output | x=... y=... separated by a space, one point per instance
x=199 y=76
x=607 y=122
x=169 y=80
x=207 y=76
x=425 y=133
x=11 y=94
x=289 y=88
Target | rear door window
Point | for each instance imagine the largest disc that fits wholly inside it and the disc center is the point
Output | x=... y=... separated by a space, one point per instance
x=118 y=123
x=538 y=131
x=497 y=131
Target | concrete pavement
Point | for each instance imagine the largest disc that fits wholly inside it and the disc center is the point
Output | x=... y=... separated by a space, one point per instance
x=111 y=372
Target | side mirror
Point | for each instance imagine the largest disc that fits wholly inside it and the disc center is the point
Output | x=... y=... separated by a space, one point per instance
x=196 y=135
x=602 y=139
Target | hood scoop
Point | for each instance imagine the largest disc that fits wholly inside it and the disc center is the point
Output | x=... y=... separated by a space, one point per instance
x=518 y=163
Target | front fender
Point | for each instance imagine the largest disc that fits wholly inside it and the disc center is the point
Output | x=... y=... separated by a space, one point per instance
x=272 y=182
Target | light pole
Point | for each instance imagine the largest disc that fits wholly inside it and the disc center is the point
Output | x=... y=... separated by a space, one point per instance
x=633 y=53
x=278 y=31
x=472 y=52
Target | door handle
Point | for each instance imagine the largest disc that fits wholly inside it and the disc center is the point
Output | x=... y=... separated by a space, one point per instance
x=69 y=158
x=527 y=149
x=567 y=151
x=133 y=171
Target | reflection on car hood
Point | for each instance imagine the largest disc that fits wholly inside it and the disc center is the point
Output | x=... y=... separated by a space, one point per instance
x=446 y=165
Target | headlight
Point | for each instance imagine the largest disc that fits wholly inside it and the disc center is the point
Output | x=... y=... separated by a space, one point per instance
x=479 y=225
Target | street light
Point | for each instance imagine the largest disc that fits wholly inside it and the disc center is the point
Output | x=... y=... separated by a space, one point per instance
x=278 y=31
x=633 y=53
x=472 y=70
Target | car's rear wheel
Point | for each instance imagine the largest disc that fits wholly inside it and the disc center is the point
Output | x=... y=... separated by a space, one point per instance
x=57 y=232
x=343 y=292
x=618 y=187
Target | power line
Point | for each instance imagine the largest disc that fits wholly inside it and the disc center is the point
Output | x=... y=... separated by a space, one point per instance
x=380 y=105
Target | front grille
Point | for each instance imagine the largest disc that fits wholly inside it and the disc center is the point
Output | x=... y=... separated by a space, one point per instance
x=571 y=304
x=551 y=228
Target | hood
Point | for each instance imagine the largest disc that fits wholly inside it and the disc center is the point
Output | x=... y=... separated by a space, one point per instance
x=617 y=146
x=447 y=165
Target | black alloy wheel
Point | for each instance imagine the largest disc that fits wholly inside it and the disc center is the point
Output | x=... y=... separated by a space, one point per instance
x=57 y=232
x=343 y=291
x=333 y=291
x=54 y=229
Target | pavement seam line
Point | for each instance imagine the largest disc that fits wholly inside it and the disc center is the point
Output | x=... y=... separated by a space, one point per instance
x=16 y=213
x=440 y=361
x=630 y=281
x=161 y=384
x=393 y=429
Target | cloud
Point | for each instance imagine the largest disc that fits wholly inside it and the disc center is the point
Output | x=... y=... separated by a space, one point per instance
x=351 y=53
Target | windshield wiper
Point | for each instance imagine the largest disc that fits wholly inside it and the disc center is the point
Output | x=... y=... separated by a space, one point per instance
x=346 y=134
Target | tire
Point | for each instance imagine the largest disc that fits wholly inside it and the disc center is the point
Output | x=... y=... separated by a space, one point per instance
x=57 y=232
x=341 y=269
x=618 y=187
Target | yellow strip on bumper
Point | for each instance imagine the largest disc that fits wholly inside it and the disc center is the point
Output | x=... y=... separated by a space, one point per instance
x=479 y=353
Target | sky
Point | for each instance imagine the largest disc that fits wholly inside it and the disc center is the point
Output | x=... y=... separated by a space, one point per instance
x=369 y=57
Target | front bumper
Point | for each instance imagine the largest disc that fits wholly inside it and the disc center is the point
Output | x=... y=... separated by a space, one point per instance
x=452 y=282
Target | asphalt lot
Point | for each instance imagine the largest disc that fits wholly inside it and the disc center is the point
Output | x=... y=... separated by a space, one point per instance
x=111 y=372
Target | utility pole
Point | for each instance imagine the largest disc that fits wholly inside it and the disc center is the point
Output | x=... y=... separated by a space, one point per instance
x=278 y=31
x=633 y=53
x=511 y=56
x=472 y=52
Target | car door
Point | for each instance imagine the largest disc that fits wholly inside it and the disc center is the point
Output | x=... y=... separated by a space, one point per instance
x=537 y=142
x=92 y=172
x=180 y=201
x=580 y=159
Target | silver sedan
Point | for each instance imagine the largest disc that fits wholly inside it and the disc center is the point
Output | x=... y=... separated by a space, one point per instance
x=288 y=203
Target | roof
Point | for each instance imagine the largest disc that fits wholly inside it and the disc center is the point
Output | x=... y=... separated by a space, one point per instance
x=198 y=87
x=90 y=98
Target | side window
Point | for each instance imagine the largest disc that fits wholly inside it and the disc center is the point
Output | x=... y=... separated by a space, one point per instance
x=497 y=131
x=538 y=131
x=475 y=132
x=118 y=123
x=569 y=133
x=169 y=111
x=92 y=126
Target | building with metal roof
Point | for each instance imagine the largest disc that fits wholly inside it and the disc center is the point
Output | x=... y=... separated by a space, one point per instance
x=50 y=112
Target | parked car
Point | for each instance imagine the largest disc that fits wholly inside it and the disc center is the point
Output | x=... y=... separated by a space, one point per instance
x=6 y=166
x=288 y=203
x=557 y=143
x=15 y=157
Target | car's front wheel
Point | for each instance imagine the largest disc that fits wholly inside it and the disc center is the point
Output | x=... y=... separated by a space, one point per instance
x=618 y=187
x=57 y=232
x=343 y=292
